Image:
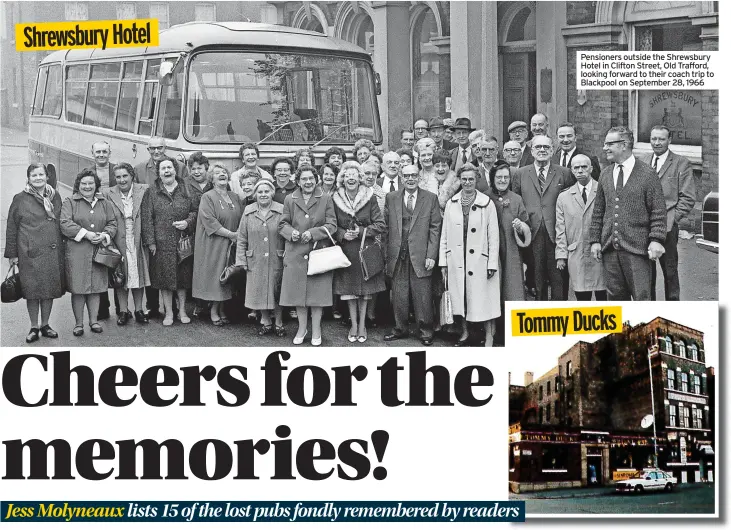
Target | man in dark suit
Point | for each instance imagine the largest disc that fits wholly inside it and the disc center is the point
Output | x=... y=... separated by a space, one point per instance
x=436 y=133
x=629 y=221
x=566 y=135
x=540 y=184
x=462 y=153
x=390 y=179
x=678 y=186
x=413 y=223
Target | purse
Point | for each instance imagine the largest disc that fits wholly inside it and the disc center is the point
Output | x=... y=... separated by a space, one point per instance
x=446 y=316
x=11 y=290
x=371 y=258
x=185 y=248
x=109 y=256
x=230 y=270
x=117 y=276
x=326 y=259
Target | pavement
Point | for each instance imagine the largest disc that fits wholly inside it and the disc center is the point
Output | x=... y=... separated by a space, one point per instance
x=586 y=493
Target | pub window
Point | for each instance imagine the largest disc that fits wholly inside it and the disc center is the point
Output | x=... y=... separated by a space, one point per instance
x=671 y=379
x=540 y=392
x=40 y=90
x=673 y=416
x=556 y=384
x=693 y=350
x=667 y=344
x=548 y=413
x=679 y=110
x=569 y=369
x=685 y=417
x=681 y=348
x=54 y=92
x=683 y=382
x=160 y=11
x=101 y=101
x=76 y=82
x=540 y=414
x=129 y=96
x=696 y=384
x=697 y=418
x=548 y=388
x=555 y=458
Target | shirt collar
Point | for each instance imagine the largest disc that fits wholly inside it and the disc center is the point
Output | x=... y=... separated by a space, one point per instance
x=660 y=159
x=627 y=166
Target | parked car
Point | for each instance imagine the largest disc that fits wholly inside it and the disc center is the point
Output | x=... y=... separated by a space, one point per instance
x=709 y=239
x=648 y=479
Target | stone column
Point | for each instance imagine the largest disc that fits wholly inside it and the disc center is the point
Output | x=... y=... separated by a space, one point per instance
x=392 y=60
x=550 y=53
x=709 y=126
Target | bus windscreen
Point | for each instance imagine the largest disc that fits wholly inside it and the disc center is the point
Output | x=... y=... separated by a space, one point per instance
x=279 y=98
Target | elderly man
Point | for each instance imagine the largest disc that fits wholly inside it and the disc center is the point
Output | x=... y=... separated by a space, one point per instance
x=566 y=135
x=628 y=224
x=413 y=224
x=678 y=186
x=574 y=209
x=475 y=137
x=390 y=179
x=462 y=153
x=540 y=184
x=488 y=149
x=449 y=130
x=436 y=133
x=512 y=153
x=421 y=129
x=147 y=171
x=518 y=132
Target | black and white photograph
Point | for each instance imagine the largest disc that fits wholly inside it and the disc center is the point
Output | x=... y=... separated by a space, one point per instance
x=346 y=173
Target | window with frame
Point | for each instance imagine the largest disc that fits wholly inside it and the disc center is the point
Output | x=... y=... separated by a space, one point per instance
x=569 y=369
x=548 y=413
x=149 y=97
x=697 y=418
x=129 y=96
x=683 y=382
x=672 y=415
x=76 y=11
x=693 y=349
x=540 y=414
x=671 y=379
x=681 y=348
x=40 y=91
x=540 y=392
x=554 y=457
x=160 y=11
x=667 y=344
x=52 y=103
x=126 y=11
x=101 y=101
x=696 y=384
x=685 y=417
x=77 y=79
x=548 y=388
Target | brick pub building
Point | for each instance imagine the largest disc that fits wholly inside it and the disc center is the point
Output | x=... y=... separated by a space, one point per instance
x=585 y=416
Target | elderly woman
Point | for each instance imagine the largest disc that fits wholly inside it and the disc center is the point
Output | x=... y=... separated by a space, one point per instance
x=358 y=215
x=33 y=242
x=283 y=168
x=447 y=183
x=469 y=255
x=219 y=214
x=87 y=220
x=168 y=214
x=308 y=217
x=362 y=149
x=335 y=156
x=126 y=200
x=259 y=250
x=371 y=170
x=249 y=155
x=303 y=157
x=328 y=177
x=197 y=180
x=427 y=174
x=514 y=231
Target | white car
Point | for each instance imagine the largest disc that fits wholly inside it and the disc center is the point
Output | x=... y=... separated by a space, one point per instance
x=652 y=479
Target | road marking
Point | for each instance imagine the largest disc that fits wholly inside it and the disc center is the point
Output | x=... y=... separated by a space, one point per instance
x=669 y=502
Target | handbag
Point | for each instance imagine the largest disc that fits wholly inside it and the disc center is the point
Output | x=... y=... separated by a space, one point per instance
x=230 y=270
x=185 y=248
x=446 y=316
x=11 y=290
x=326 y=259
x=371 y=258
x=109 y=256
x=117 y=276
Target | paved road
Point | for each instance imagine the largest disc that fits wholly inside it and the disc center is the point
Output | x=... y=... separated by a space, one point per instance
x=687 y=498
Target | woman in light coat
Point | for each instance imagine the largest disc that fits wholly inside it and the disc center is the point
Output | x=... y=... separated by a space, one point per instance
x=260 y=250
x=126 y=200
x=87 y=220
x=469 y=255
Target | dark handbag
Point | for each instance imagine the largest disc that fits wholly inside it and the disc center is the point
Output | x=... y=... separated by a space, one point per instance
x=185 y=248
x=117 y=276
x=230 y=270
x=371 y=258
x=11 y=290
x=108 y=256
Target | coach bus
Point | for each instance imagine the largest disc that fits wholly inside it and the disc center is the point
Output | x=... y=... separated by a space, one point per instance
x=208 y=86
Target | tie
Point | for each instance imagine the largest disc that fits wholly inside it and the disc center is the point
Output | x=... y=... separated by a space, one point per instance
x=654 y=163
x=390 y=186
x=620 y=180
x=464 y=156
x=563 y=162
x=410 y=203
x=583 y=194
x=541 y=178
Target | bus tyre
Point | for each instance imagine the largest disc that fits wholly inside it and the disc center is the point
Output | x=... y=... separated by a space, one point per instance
x=638 y=488
x=668 y=487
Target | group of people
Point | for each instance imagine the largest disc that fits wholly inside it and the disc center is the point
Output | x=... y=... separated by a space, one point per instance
x=448 y=217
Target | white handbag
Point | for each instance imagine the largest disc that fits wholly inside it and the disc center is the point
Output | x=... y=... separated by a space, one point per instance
x=326 y=259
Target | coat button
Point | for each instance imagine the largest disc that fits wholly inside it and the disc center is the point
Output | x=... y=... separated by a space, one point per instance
x=307 y=216
x=474 y=208
x=470 y=273
x=53 y=246
x=617 y=199
x=474 y=230
x=91 y=211
x=306 y=257
x=266 y=239
x=472 y=251
x=50 y=218
x=92 y=226
x=266 y=254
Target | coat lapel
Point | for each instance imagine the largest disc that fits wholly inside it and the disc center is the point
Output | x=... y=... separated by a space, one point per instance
x=666 y=166
x=534 y=177
x=577 y=196
x=417 y=207
x=592 y=195
x=400 y=210
x=549 y=176
x=116 y=198
x=139 y=193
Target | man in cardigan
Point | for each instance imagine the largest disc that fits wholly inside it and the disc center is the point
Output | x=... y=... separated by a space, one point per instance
x=628 y=225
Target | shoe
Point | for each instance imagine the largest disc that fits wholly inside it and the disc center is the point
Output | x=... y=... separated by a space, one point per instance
x=225 y=321
x=299 y=340
x=362 y=339
x=46 y=331
x=352 y=338
x=217 y=322
x=427 y=341
x=141 y=318
x=293 y=313
x=251 y=316
x=463 y=342
x=153 y=313
x=167 y=321
x=123 y=318
x=96 y=327
x=279 y=331
x=102 y=315
x=200 y=312
x=395 y=336
x=337 y=315
x=185 y=319
x=264 y=330
x=316 y=341
x=32 y=335
x=78 y=331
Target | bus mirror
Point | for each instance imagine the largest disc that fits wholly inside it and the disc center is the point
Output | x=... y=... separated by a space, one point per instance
x=166 y=71
x=378 y=84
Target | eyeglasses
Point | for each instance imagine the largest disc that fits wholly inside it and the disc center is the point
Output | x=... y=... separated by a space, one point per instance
x=542 y=147
x=370 y=173
x=420 y=129
x=282 y=170
x=512 y=150
x=411 y=175
x=488 y=149
x=156 y=148
x=607 y=144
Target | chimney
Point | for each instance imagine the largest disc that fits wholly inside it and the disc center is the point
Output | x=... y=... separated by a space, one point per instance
x=528 y=378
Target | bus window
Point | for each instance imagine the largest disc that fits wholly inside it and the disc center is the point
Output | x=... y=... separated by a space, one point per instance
x=54 y=92
x=102 y=99
x=171 y=105
x=40 y=90
x=149 y=98
x=76 y=82
x=129 y=96
x=245 y=96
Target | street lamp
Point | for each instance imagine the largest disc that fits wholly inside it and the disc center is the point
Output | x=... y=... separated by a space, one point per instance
x=652 y=398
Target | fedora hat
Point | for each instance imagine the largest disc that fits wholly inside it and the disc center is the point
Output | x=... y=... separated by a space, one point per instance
x=463 y=123
x=435 y=123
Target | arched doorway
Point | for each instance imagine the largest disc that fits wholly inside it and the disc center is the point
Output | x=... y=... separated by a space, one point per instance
x=518 y=54
x=311 y=18
x=425 y=67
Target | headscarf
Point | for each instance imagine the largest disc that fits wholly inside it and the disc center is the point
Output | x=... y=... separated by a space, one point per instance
x=45 y=198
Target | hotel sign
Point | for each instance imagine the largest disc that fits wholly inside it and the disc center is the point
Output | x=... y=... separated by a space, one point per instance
x=699 y=400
